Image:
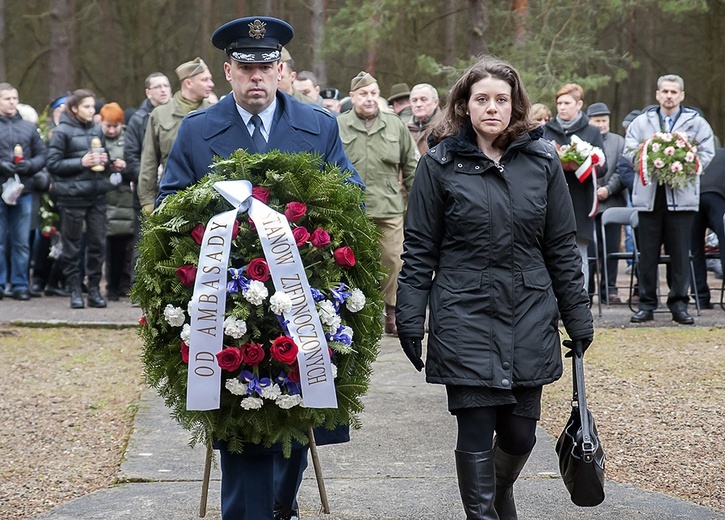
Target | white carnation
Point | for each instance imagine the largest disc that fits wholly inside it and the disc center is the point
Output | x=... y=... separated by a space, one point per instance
x=236 y=387
x=280 y=302
x=257 y=292
x=186 y=333
x=356 y=301
x=234 y=327
x=333 y=369
x=251 y=403
x=327 y=312
x=288 y=401
x=175 y=316
x=334 y=324
x=272 y=391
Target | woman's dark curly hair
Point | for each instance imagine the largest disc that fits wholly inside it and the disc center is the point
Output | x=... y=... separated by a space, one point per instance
x=454 y=116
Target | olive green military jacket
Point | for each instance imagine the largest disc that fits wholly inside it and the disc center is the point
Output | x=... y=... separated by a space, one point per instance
x=382 y=156
x=161 y=132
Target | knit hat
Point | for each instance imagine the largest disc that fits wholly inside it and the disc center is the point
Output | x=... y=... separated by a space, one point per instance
x=363 y=79
x=112 y=112
x=191 y=68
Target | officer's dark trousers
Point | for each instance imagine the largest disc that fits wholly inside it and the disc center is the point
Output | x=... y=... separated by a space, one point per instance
x=253 y=481
x=671 y=228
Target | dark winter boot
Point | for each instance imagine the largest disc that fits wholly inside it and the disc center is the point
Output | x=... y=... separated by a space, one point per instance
x=390 y=327
x=94 y=297
x=477 y=483
x=508 y=468
x=76 y=295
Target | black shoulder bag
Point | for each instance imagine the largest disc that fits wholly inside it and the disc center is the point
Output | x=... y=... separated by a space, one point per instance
x=581 y=456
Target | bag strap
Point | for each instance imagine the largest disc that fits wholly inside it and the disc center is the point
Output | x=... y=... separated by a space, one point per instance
x=580 y=397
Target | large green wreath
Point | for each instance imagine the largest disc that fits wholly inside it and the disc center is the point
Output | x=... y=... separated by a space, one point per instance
x=169 y=252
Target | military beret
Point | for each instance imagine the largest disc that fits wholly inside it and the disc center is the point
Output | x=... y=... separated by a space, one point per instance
x=363 y=79
x=397 y=91
x=59 y=101
x=191 y=68
x=255 y=39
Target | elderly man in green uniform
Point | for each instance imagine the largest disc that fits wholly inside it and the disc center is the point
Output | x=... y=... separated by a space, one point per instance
x=383 y=152
x=164 y=121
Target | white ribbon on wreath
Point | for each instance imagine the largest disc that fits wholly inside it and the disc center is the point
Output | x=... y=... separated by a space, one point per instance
x=288 y=275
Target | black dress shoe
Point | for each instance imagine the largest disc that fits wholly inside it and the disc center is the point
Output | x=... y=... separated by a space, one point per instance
x=707 y=305
x=642 y=316
x=21 y=294
x=34 y=291
x=683 y=318
x=52 y=290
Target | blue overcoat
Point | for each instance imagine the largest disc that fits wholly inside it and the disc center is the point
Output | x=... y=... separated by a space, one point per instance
x=220 y=130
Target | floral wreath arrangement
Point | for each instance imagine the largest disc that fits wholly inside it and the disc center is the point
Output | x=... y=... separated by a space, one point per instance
x=261 y=401
x=582 y=158
x=669 y=157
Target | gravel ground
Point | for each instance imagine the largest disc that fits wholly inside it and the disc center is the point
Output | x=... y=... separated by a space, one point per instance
x=68 y=396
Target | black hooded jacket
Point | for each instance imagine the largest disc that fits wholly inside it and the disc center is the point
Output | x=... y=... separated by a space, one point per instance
x=491 y=250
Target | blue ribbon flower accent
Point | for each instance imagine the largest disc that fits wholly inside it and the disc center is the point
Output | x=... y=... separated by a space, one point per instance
x=339 y=296
x=340 y=336
x=293 y=387
x=238 y=283
x=283 y=324
x=254 y=383
x=317 y=295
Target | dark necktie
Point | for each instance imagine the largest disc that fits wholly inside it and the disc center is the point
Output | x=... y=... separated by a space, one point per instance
x=668 y=124
x=257 y=137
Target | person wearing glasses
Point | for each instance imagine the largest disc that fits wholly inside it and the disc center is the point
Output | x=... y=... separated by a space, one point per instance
x=163 y=124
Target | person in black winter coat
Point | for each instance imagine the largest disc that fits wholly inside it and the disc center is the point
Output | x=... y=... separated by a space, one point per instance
x=570 y=120
x=80 y=194
x=22 y=154
x=490 y=249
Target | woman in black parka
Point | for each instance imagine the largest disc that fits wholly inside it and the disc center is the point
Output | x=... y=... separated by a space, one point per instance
x=490 y=247
x=80 y=194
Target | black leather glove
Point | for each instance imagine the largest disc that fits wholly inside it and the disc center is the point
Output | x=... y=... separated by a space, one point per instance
x=7 y=168
x=413 y=348
x=22 y=167
x=577 y=346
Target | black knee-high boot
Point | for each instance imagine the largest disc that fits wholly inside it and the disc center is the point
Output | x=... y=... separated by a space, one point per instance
x=508 y=469
x=477 y=483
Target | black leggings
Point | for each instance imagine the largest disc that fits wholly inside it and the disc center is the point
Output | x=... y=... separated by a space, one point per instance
x=515 y=435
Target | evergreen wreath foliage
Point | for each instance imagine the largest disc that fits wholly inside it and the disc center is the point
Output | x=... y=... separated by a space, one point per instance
x=333 y=205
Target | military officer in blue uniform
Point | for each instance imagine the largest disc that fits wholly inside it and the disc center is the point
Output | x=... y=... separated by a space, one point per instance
x=259 y=484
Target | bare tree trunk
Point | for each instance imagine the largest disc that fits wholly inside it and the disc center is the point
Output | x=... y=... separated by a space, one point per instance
x=478 y=19
x=317 y=26
x=520 y=11
x=371 y=58
x=206 y=30
x=451 y=34
x=3 y=71
x=61 y=79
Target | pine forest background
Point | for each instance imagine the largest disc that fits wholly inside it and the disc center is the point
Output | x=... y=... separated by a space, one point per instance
x=616 y=49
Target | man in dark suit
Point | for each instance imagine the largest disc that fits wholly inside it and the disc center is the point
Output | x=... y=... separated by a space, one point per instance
x=259 y=484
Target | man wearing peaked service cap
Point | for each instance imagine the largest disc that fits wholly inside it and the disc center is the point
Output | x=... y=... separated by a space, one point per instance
x=257 y=117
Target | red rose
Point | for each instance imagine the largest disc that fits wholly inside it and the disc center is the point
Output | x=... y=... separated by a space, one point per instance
x=251 y=223
x=187 y=274
x=294 y=374
x=229 y=359
x=295 y=211
x=252 y=353
x=184 y=352
x=235 y=230
x=320 y=238
x=284 y=350
x=301 y=235
x=198 y=233
x=261 y=194
x=142 y=320
x=344 y=257
x=258 y=270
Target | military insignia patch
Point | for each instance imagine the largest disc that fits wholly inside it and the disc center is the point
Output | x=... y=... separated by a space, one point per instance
x=257 y=29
